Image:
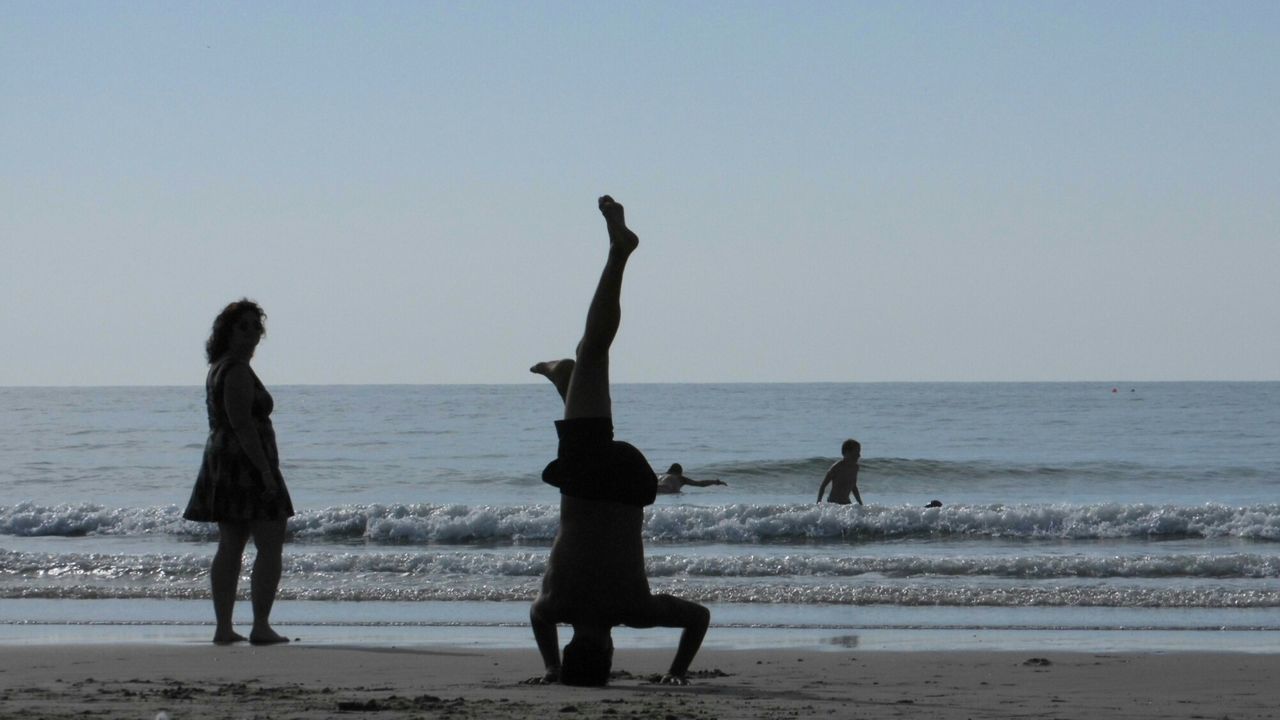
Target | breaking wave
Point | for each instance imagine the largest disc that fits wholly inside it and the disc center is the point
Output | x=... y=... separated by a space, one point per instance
x=428 y=524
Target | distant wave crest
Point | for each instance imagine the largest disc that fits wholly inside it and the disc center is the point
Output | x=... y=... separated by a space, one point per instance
x=975 y=473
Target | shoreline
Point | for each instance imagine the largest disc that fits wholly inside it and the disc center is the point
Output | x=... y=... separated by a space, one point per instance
x=303 y=680
x=15 y=637
x=484 y=626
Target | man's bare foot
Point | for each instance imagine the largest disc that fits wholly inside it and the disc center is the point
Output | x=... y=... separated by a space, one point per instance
x=557 y=371
x=228 y=637
x=620 y=236
x=266 y=637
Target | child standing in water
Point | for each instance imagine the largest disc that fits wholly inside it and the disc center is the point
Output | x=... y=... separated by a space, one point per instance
x=843 y=475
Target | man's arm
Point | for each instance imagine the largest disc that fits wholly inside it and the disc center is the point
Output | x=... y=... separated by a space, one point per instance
x=668 y=611
x=701 y=483
x=544 y=632
x=856 y=495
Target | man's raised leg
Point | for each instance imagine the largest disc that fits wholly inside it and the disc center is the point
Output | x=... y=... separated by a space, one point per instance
x=588 y=391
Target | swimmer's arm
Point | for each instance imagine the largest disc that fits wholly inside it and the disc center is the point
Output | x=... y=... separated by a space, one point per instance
x=544 y=632
x=856 y=495
x=702 y=483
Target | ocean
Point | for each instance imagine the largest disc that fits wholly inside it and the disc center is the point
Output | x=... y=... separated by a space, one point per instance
x=1084 y=516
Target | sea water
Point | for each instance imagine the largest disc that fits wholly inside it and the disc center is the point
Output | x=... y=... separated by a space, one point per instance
x=1074 y=515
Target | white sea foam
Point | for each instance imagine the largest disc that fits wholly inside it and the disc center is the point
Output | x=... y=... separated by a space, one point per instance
x=479 y=565
x=416 y=524
x=789 y=591
x=1031 y=580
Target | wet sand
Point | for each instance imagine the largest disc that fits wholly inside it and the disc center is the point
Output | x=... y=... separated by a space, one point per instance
x=140 y=680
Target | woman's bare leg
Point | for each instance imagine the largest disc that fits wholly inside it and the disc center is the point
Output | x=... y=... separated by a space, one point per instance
x=268 y=538
x=587 y=394
x=224 y=576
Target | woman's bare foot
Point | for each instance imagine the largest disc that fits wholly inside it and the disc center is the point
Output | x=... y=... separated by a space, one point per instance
x=266 y=636
x=620 y=236
x=557 y=371
x=227 y=637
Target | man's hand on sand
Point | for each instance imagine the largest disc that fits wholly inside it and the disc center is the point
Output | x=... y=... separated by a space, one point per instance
x=552 y=677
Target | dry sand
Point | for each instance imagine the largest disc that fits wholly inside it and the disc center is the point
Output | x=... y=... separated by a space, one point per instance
x=317 y=681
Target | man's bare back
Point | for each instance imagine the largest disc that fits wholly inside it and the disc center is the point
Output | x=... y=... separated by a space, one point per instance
x=595 y=574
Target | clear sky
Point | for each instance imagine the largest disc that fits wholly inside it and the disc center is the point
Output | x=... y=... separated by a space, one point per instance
x=849 y=191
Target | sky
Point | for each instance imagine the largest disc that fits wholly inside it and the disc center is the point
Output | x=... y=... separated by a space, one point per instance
x=824 y=192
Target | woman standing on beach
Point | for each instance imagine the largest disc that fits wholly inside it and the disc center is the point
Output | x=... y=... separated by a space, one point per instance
x=239 y=485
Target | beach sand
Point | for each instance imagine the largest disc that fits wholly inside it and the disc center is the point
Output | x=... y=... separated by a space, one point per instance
x=137 y=680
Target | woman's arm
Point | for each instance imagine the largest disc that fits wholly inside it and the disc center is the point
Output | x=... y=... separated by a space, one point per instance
x=237 y=399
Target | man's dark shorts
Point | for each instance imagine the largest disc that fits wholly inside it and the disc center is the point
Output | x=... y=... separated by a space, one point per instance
x=592 y=465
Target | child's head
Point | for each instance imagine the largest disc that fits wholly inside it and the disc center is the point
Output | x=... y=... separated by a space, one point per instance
x=851 y=448
x=675 y=469
x=588 y=657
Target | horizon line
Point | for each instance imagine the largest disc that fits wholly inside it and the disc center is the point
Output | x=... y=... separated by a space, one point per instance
x=1112 y=382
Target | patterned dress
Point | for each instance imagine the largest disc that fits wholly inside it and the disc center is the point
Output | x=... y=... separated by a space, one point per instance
x=229 y=488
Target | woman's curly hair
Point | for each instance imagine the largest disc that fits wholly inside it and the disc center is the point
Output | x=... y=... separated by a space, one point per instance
x=220 y=337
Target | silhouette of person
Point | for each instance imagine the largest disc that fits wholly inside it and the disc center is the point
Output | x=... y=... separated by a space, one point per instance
x=239 y=485
x=843 y=475
x=595 y=577
x=674 y=479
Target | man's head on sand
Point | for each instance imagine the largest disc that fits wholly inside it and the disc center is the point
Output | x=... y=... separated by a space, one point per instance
x=588 y=657
x=851 y=448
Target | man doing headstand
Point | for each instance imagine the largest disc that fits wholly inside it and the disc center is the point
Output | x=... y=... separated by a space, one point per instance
x=595 y=576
